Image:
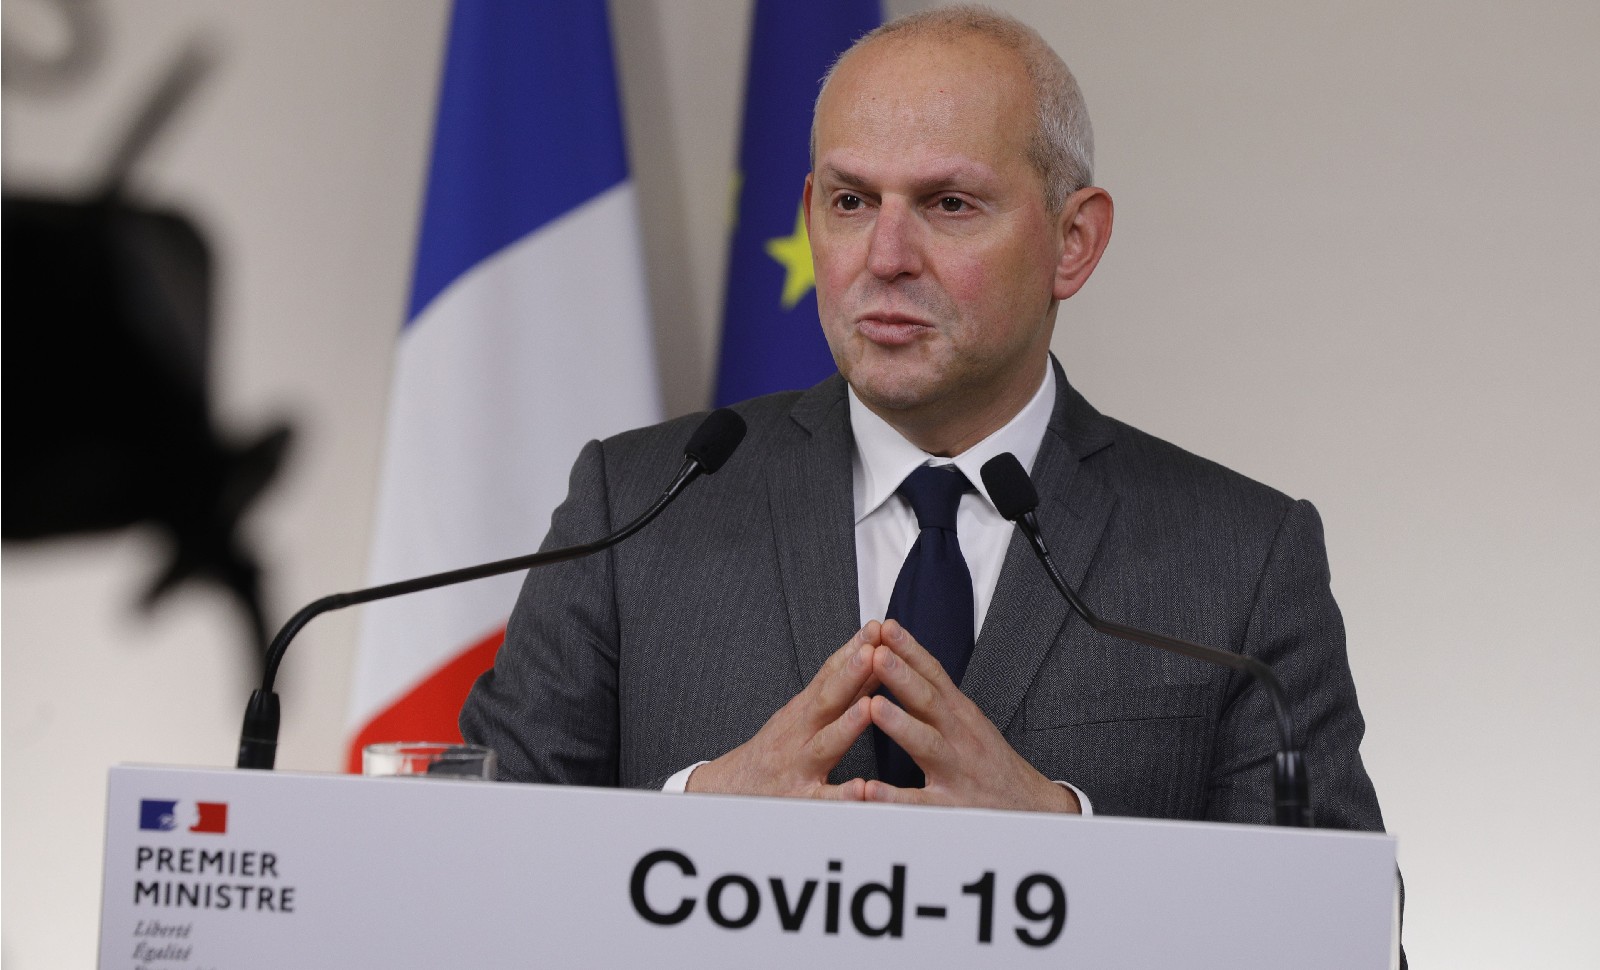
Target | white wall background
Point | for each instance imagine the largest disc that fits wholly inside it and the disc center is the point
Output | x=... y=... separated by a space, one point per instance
x=1357 y=256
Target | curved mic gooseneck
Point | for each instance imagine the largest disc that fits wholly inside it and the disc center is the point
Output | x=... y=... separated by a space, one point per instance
x=712 y=443
x=1014 y=496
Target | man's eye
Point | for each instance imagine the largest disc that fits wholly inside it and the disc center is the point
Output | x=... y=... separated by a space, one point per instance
x=849 y=203
x=952 y=204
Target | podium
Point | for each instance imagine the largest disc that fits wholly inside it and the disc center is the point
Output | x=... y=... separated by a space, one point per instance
x=226 y=870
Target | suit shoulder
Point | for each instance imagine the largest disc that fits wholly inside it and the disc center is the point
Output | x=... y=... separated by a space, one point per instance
x=1151 y=468
x=665 y=440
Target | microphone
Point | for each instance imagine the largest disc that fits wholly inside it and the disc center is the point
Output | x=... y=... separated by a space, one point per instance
x=712 y=443
x=1013 y=495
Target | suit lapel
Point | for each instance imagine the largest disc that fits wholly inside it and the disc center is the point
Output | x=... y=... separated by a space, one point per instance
x=1027 y=614
x=808 y=490
x=809 y=494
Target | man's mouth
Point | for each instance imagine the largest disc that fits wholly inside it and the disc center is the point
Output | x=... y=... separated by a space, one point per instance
x=892 y=329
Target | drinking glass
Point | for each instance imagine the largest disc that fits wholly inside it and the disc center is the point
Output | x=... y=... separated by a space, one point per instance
x=435 y=759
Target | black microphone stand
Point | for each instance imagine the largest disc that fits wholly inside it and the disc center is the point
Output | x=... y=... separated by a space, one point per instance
x=711 y=445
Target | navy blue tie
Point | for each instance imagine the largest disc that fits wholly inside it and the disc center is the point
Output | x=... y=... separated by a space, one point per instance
x=933 y=595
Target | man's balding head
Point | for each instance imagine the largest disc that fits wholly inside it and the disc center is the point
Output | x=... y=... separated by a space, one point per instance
x=1061 y=147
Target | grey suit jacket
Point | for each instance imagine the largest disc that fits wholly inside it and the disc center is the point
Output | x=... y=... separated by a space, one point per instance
x=677 y=645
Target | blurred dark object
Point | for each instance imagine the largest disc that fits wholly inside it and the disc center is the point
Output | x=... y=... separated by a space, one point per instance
x=107 y=418
x=50 y=45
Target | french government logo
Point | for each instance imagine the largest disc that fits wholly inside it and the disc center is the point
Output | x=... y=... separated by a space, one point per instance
x=173 y=815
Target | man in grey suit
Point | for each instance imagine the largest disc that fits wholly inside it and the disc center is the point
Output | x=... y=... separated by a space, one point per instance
x=950 y=211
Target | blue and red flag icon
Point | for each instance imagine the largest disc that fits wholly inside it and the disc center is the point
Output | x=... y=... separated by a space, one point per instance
x=161 y=815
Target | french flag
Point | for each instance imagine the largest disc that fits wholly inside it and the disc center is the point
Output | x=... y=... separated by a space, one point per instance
x=527 y=335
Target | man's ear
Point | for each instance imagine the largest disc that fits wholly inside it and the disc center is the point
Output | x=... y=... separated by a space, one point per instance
x=805 y=203
x=1085 y=223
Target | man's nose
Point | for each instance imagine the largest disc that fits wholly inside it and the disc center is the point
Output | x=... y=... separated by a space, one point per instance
x=894 y=249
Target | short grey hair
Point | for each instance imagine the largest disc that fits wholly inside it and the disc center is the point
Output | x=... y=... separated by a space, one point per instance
x=1061 y=147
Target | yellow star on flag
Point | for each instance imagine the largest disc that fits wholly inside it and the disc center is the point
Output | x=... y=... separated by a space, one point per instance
x=793 y=252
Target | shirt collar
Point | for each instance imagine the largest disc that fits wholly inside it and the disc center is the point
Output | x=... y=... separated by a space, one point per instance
x=883 y=458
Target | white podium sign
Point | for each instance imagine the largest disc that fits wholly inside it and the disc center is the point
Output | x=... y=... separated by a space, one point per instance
x=226 y=870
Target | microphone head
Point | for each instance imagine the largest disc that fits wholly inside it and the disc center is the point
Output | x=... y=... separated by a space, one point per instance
x=714 y=441
x=1009 y=486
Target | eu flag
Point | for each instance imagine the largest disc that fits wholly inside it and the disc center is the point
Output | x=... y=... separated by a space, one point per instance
x=771 y=340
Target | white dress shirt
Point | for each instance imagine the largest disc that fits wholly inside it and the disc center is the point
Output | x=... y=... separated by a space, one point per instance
x=886 y=527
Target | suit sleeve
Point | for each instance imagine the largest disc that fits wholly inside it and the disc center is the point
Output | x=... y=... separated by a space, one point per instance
x=1296 y=629
x=548 y=708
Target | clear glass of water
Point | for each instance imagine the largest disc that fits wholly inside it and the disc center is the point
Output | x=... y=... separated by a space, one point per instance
x=432 y=759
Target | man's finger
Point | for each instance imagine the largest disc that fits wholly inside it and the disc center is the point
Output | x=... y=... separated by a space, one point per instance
x=882 y=791
x=839 y=664
x=854 y=790
x=923 y=743
x=905 y=646
x=837 y=660
x=838 y=685
x=828 y=745
x=909 y=686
